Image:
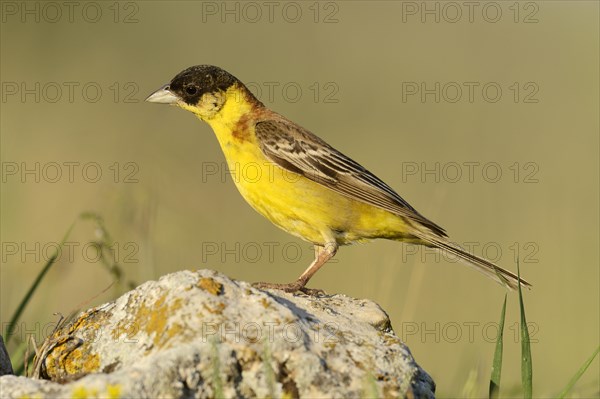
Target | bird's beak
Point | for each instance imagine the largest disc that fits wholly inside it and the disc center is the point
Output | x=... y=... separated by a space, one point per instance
x=163 y=96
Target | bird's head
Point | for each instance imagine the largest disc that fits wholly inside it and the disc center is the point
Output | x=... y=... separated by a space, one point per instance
x=203 y=90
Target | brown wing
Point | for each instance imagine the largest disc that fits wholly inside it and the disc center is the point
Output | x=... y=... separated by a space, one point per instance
x=298 y=150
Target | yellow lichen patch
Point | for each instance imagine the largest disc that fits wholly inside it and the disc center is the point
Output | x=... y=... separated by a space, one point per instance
x=126 y=328
x=152 y=319
x=330 y=345
x=71 y=353
x=247 y=355
x=81 y=392
x=217 y=309
x=210 y=285
x=390 y=339
x=266 y=304
x=91 y=322
x=81 y=362
x=113 y=391
x=175 y=330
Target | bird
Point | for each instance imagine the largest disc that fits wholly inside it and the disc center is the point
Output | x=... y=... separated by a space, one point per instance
x=306 y=186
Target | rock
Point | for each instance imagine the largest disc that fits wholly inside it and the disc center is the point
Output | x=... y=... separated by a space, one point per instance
x=5 y=364
x=200 y=334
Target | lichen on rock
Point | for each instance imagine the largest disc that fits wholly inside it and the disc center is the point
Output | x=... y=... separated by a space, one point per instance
x=201 y=334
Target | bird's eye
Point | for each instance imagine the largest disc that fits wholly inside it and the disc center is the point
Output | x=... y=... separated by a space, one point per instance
x=191 y=90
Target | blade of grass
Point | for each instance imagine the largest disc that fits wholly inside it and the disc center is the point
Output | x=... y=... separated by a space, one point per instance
x=578 y=374
x=497 y=362
x=370 y=389
x=17 y=315
x=104 y=246
x=526 y=366
x=471 y=386
x=216 y=369
x=268 y=370
x=20 y=370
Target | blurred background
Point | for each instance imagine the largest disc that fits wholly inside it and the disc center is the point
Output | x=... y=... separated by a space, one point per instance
x=483 y=116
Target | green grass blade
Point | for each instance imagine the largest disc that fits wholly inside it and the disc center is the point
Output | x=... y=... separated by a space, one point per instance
x=17 y=358
x=497 y=363
x=17 y=315
x=268 y=370
x=370 y=389
x=526 y=366
x=578 y=374
x=20 y=369
x=216 y=369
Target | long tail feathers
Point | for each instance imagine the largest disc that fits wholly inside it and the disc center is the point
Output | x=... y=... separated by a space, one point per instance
x=496 y=273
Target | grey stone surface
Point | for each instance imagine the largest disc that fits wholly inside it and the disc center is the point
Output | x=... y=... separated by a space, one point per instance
x=5 y=365
x=201 y=335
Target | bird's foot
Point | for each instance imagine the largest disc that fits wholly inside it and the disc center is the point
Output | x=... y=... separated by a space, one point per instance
x=296 y=286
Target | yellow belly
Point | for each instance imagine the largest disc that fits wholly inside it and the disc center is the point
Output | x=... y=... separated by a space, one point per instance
x=319 y=215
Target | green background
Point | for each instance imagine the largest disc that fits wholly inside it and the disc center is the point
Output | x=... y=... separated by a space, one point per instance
x=362 y=56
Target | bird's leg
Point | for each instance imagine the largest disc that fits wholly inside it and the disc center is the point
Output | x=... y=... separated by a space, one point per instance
x=322 y=255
